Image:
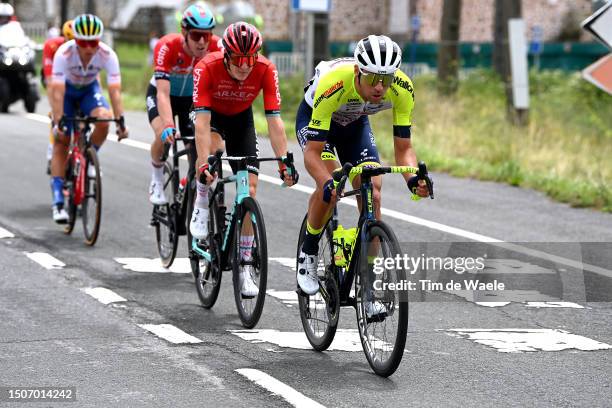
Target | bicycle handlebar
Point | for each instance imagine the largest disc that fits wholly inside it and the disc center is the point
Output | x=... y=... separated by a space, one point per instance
x=214 y=160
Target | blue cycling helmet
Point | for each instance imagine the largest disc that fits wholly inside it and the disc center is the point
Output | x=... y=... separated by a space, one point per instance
x=199 y=17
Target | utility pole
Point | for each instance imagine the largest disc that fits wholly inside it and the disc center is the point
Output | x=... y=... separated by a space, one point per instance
x=64 y=11
x=448 y=51
x=90 y=7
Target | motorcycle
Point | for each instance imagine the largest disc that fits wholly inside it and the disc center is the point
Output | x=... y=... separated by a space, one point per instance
x=17 y=71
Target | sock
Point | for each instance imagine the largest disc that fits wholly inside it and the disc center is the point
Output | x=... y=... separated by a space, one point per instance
x=57 y=188
x=202 y=196
x=246 y=247
x=157 y=172
x=311 y=241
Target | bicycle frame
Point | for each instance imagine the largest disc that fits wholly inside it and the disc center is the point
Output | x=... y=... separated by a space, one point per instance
x=80 y=139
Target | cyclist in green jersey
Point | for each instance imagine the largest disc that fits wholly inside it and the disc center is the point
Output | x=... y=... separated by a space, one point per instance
x=333 y=118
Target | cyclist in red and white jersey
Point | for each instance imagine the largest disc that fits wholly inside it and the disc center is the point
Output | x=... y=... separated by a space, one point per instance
x=171 y=87
x=76 y=67
x=225 y=85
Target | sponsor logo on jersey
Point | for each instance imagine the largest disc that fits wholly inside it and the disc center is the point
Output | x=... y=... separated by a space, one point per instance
x=403 y=84
x=240 y=95
x=329 y=92
x=162 y=54
x=315 y=122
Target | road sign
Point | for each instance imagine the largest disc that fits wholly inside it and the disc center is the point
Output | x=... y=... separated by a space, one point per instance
x=314 y=6
x=535 y=47
x=600 y=24
x=600 y=73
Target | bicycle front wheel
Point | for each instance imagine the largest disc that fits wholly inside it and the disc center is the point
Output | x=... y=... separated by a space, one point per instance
x=92 y=201
x=250 y=261
x=71 y=207
x=319 y=313
x=208 y=273
x=165 y=220
x=382 y=315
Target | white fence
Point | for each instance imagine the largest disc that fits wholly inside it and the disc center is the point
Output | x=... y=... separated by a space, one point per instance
x=35 y=30
x=289 y=63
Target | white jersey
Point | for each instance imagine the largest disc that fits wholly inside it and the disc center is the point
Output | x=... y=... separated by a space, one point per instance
x=67 y=65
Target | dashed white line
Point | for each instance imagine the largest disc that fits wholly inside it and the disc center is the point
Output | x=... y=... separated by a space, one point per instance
x=4 y=233
x=45 y=260
x=180 y=265
x=103 y=295
x=293 y=397
x=525 y=340
x=344 y=340
x=170 y=333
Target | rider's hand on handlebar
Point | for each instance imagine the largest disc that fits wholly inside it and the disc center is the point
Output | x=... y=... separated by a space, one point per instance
x=60 y=128
x=329 y=191
x=168 y=133
x=204 y=173
x=122 y=130
x=289 y=176
x=418 y=187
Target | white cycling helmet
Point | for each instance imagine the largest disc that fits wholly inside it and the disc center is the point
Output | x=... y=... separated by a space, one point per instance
x=6 y=10
x=378 y=54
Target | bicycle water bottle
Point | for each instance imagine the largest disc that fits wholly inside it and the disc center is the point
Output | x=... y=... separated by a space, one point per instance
x=344 y=240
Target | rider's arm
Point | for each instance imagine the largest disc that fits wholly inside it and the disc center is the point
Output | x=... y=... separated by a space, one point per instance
x=272 y=105
x=403 y=103
x=203 y=135
x=404 y=154
x=163 y=102
x=58 y=89
x=113 y=78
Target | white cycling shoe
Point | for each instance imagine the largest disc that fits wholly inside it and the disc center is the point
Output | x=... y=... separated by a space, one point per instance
x=248 y=287
x=375 y=309
x=199 y=223
x=307 y=273
x=157 y=196
x=60 y=215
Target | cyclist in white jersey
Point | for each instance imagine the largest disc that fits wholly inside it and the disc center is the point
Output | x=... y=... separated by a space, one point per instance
x=76 y=66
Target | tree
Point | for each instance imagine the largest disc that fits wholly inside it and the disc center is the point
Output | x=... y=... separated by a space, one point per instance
x=448 y=51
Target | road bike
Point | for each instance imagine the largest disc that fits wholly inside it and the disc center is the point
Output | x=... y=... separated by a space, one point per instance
x=226 y=230
x=83 y=188
x=347 y=276
x=170 y=219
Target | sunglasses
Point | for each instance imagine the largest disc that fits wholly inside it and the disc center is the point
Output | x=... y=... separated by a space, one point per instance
x=87 y=43
x=197 y=35
x=373 y=79
x=240 y=60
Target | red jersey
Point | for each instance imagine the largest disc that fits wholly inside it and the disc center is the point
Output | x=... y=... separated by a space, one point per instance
x=171 y=62
x=214 y=89
x=49 y=49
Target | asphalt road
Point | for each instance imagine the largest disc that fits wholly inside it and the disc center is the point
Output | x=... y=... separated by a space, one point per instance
x=550 y=347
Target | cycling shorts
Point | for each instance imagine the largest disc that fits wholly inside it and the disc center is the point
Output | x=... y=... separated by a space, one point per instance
x=239 y=134
x=86 y=98
x=180 y=105
x=353 y=143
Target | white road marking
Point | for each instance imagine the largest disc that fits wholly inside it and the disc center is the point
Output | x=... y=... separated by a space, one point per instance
x=4 y=233
x=288 y=262
x=287 y=297
x=555 y=305
x=37 y=117
x=492 y=304
x=103 y=295
x=170 y=333
x=180 y=265
x=405 y=217
x=293 y=397
x=523 y=340
x=45 y=260
x=345 y=339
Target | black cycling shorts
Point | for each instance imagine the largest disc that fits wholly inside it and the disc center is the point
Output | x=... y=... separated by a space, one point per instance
x=181 y=106
x=354 y=143
x=239 y=134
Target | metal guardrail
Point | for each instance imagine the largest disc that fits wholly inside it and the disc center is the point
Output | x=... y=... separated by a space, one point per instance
x=289 y=63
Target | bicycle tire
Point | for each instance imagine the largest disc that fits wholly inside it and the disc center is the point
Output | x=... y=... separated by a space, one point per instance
x=250 y=308
x=71 y=207
x=320 y=332
x=93 y=196
x=383 y=354
x=166 y=232
x=208 y=281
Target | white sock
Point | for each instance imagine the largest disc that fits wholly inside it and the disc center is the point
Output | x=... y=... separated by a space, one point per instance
x=202 y=196
x=157 y=172
x=246 y=247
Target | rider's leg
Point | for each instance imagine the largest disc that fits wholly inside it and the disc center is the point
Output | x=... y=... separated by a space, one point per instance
x=98 y=136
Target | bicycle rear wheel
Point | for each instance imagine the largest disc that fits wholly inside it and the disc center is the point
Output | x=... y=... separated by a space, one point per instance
x=250 y=234
x=92 y=200
x=383 y=336
x=165 y=220
x=208 y=273
x=319 y=313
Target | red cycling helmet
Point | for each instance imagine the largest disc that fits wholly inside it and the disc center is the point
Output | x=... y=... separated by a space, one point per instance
x=241 y=38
